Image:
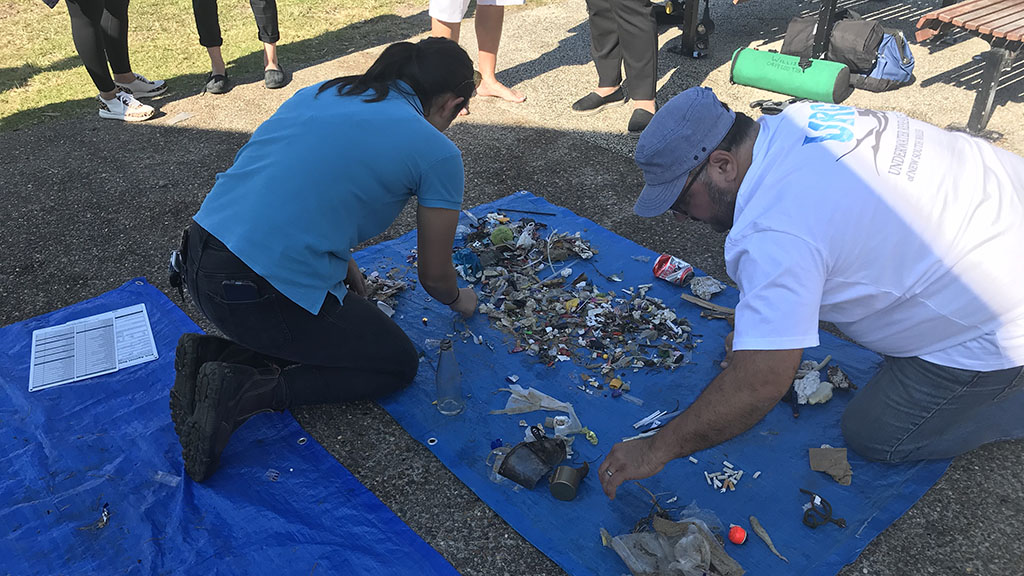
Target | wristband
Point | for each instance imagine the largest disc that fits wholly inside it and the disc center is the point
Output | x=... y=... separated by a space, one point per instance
x=457 y=294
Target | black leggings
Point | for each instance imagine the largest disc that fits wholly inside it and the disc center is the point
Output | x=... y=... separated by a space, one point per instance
x=208 y=23
x=346 y=352
x=100 y=31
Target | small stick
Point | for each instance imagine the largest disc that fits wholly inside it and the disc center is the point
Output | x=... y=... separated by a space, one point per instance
x=527 y=212
x=708 y=305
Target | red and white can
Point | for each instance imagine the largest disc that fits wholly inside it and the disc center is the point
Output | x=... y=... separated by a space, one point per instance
x=668 y=267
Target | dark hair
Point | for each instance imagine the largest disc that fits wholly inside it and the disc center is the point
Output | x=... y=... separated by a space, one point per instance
x=742 y=128
x=431 y=67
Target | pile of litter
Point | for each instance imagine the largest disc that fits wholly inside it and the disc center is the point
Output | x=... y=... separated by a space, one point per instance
x=386 y=288
x=528 y=297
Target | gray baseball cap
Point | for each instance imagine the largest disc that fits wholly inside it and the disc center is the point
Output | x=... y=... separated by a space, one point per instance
x=681 y=135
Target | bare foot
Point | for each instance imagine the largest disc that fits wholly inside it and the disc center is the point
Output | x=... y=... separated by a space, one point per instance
x=498 y=90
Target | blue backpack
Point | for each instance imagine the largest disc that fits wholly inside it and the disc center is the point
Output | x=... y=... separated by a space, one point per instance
x=894 y=67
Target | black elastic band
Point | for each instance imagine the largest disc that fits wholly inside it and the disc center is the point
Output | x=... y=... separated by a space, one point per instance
x=457 y=294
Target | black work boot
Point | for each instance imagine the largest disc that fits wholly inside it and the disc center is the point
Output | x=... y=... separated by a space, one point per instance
x=193 y=351
x=226 y=396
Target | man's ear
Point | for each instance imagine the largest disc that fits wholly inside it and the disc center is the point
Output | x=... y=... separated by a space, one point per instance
x=723 y=166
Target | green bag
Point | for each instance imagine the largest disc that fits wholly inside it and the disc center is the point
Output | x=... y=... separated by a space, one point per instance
x=822 y=80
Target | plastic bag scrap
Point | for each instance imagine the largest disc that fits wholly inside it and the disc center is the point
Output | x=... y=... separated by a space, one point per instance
x=528 y=400
x=683 y=548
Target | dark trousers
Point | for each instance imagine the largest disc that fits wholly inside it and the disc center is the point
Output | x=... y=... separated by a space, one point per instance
x=100 y=31
x=346 y=352
x=208 y=23
x=624 y=32
x=913 y=409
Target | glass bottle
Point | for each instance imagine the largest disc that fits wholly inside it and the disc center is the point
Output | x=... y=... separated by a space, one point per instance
x=449 y=381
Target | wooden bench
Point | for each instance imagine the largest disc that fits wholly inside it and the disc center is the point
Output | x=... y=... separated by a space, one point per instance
x=998 y=22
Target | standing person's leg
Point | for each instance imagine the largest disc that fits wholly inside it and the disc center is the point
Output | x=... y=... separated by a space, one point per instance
x=87 y=32
x=489 y=21
x=265 y=12
x=446 y=22
x=208 y=27
x=916 y=410
x=115 y=42
x=638 y=34
x=607 y=55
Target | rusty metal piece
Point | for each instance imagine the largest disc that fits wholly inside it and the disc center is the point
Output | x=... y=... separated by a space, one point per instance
x=566 y=481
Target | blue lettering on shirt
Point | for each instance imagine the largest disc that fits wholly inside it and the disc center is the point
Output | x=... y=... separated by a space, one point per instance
x=830 y=122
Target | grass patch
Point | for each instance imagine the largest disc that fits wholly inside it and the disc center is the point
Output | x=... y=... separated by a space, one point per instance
x=42 y=78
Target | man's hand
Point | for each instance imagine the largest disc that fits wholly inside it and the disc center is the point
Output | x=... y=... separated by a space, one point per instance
x=633 y=460
x=354 y=279
x=728 y=350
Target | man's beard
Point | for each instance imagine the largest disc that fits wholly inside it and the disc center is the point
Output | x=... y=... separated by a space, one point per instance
x=723 y=203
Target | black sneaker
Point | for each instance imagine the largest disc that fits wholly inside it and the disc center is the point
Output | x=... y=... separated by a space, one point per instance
x=217 y=83
x=193 y=351
x=226 y=396
x=639 y=120
x=593 y=103
x=275 y=79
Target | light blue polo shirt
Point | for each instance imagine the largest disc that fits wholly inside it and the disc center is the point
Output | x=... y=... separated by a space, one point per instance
x=322 y=175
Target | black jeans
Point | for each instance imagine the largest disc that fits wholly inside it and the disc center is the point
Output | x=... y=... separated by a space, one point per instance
x=208 y=22
x=624 y=32
x=346 y=352
x=100 y=31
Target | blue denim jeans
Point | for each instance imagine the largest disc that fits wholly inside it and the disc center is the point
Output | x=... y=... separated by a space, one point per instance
x=913 y=409
x=346 y=352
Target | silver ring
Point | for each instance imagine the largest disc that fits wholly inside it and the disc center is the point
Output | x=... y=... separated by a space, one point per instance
x=609 y=473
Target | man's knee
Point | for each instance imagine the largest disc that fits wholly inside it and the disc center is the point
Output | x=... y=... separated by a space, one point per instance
x=865 y=435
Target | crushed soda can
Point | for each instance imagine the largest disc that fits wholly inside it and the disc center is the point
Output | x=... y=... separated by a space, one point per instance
x=672 y=269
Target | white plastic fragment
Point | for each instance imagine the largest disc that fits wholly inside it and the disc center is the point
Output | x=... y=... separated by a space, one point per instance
x=756 y=474
x=387 y=310
x=692 y=459
x=672 y=499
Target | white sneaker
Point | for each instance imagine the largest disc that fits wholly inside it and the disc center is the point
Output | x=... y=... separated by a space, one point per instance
x=143 y=88
x=125 y=107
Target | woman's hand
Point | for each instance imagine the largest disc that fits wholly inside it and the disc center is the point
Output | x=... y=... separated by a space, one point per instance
x=465 y=304
x=355 y=281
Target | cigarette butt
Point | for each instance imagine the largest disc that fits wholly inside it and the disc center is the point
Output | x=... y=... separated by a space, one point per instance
x=692 y=459
x=756 y=474
x=726 y=464
x=708 y=478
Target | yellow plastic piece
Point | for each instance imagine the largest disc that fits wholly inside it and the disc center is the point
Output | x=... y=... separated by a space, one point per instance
x=615 y=384
x=589 y=434
x=572 y=304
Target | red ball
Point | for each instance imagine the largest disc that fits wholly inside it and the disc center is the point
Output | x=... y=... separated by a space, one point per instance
x=737 y=535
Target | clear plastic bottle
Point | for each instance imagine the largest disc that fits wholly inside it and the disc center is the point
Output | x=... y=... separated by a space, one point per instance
x=449 y=382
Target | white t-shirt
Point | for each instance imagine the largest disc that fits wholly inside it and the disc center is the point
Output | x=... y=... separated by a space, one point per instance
x=908 y=237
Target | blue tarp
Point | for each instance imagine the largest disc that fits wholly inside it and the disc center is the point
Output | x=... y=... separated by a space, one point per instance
x=568 y=531
x=67 y=451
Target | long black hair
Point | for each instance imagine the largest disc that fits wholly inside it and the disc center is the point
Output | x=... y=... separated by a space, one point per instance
x=431 y=67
